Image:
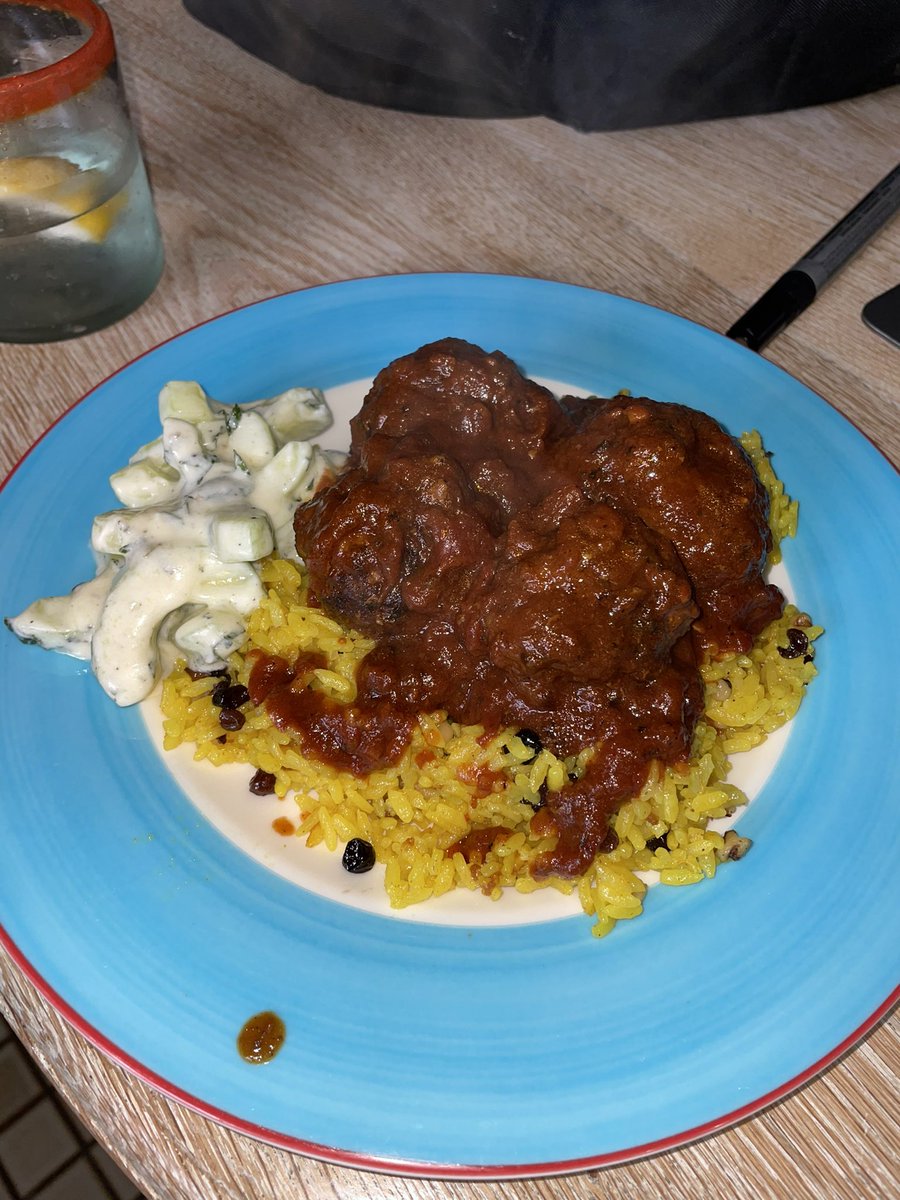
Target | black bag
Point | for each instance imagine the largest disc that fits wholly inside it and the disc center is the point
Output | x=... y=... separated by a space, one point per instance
x=593 y=64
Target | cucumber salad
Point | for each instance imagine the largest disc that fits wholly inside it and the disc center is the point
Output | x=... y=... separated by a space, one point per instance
x=176 y=565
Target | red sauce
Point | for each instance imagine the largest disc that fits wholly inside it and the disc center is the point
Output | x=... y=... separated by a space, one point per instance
x=475 y=845
x=358 y=738
x=556 y=566
x=482 y=780
x=270 y=673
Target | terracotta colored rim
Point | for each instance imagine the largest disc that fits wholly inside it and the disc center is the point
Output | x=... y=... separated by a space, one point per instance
x=22 y=95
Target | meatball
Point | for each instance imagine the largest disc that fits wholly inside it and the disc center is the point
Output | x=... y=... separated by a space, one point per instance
x=685 y=477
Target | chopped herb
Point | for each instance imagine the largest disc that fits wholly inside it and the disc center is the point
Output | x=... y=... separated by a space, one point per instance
x=233 y=419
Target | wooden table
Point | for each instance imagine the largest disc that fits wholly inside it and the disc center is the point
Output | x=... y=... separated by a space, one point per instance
x=262 y=186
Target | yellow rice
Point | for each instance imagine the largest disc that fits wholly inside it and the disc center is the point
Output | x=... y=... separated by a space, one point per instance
x=452 y=780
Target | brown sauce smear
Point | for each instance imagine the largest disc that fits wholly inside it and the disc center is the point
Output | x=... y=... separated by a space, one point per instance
x=556 y=566
x=261 y=1037
x=474 y=846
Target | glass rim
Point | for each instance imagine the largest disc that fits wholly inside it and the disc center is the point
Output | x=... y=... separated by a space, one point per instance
x=34 y=91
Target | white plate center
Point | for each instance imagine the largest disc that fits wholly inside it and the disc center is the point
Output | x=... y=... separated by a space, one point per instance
x=222 y=795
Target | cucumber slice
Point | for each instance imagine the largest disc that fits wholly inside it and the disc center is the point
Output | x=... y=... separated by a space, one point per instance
x=65 y=623
x=253 y=440
x=147 y=481
x=185 y=400
x=184 y=451
x=207 y=638
x=296 y=415
x=283 y=475
x=241 y=536
x=128 y=532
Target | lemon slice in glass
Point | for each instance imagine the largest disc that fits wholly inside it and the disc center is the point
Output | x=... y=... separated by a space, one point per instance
x=58 y=184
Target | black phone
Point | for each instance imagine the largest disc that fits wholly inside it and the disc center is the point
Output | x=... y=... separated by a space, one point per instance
x=883 y=314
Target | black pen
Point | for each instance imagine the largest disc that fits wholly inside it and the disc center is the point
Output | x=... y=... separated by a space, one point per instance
x=799 y=286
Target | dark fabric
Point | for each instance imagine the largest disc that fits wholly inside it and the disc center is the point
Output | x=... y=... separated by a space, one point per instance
x=593 y=64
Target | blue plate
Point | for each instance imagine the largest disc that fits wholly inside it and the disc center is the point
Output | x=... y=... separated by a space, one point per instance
x=442 y=1050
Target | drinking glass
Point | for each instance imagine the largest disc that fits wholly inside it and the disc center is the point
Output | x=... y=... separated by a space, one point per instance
x=80 y=246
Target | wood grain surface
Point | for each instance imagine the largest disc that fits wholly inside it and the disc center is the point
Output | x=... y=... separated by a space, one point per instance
x=263 y=185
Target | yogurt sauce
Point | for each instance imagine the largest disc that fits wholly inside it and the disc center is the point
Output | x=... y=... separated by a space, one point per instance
x=177 y=565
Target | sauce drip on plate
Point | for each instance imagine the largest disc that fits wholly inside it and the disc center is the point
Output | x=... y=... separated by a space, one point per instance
x=261 y=1037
